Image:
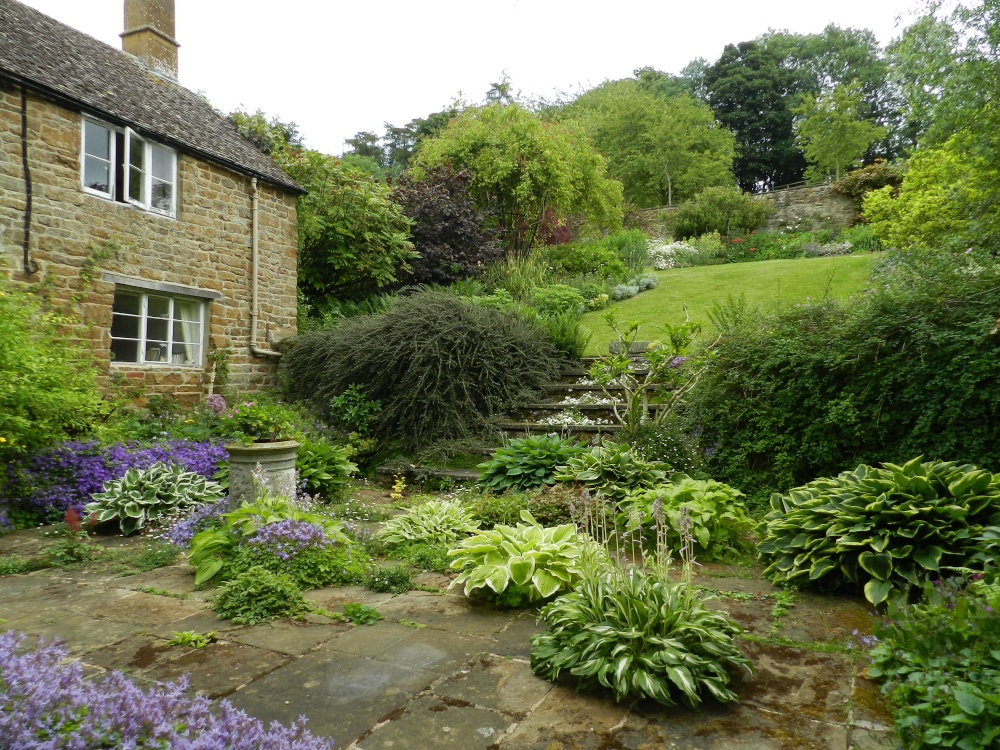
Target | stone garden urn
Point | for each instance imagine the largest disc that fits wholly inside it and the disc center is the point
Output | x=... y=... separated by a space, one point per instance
x=276 y=459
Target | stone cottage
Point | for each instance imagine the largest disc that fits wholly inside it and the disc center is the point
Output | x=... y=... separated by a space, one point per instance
x=129 y=199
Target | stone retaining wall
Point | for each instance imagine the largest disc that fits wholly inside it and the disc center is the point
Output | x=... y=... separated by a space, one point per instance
x=207 y=246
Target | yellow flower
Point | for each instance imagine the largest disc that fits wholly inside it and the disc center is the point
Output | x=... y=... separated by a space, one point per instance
x=188 y=421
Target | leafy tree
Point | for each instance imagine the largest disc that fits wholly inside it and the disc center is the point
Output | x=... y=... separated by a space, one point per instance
x=748 y=88
x=367 y=144
x=448 y=229
x=660 y=149
x=352 y=237
x=401 y=143
x=831 y=133
x=521 y=166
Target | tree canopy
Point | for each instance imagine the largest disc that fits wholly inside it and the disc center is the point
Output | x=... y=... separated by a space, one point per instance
x=522 y=165
x=831 y=132
x=663 y=146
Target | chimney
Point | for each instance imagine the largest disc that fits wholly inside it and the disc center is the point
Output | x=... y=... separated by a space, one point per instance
x=149 y=35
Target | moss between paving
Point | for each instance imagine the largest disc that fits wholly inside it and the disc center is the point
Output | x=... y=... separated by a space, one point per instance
x=463 y=679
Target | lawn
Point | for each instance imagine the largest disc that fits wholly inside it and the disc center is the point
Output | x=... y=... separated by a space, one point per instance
x=772 y=283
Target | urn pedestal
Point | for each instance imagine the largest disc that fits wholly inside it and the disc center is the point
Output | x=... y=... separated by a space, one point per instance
x=276 y=459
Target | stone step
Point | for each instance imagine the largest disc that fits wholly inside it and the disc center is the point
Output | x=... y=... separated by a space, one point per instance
x=541 y=429
x=458 y=475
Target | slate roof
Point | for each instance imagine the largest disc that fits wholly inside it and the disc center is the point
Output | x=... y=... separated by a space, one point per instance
x=76 y=69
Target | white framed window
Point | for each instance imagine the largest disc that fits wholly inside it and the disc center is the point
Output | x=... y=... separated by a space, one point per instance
x=157 y=328
x=121 y=165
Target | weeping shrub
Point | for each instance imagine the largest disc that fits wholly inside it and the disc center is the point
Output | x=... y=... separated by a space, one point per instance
x=439 y=365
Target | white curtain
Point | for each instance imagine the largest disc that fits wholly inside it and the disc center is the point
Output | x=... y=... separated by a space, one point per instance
x=189 y=315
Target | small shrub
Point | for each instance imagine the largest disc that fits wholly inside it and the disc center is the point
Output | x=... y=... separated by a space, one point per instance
x=50 y=703
x=439 y=365
x=940 y=661
x=146 y=495
x=857 y=184
x=518 y=565
x=578 y=258
x=435 y=520
x=323 y=468
x=499 y=509
x=303 y=551
x=256 y=595
x=423 y=555
x=527 y=463
x=551 y=505
x=624 y=291
x=630 y=247
x=353 y=411
x=258 y=422
x=715 y=515
x=881 y=528
x=612 y=469
x=556 y=299
x=641 y=636
x=390 y=579
x=598 y=302
x=567 y=334
x=361 y=614
x=720 y=209
x=665 y=443
x=645 y=282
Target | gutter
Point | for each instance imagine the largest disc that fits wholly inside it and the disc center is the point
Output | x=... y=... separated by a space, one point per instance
x=255 y=350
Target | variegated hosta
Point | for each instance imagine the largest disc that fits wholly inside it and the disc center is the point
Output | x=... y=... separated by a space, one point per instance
x=883 y=528
x=518 y=565
x=433 y=521
x=612 y=469
x=144 y=495
x=640 y=635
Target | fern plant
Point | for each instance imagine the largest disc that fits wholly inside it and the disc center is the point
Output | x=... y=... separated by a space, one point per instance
x=144 y=495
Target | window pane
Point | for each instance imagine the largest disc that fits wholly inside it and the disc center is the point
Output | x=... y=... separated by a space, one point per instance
x=97 y=174
x=137 y=152
x=163 y=195
x=156 y=329
x=124 y=351
x=96 y=140
x=156 y=352
x=163 y=163
x=158 y=307
x=124 y=327
x=127 y=302
x=185 y=354
x=187 y=330
x=135 y=184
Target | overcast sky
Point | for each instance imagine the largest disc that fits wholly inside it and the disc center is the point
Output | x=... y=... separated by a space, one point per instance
x=335 y=68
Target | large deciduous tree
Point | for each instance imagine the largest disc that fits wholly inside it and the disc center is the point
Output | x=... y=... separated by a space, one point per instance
x=522 y=165
x=662 y=150
x=831 y=132
x=352 y=237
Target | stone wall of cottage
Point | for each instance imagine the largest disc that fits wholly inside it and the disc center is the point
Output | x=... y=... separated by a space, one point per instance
x=76 y=237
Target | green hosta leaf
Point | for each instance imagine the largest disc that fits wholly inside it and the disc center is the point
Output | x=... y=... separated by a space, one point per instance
x=820 y=568
x=520 y=570
x=877 y=591
x=928 y=557
x=877 y=565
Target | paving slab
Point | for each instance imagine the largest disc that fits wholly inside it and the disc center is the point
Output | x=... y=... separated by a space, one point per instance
x=829 y=618
x=219 y=668
x=434 y=650
x=797 y=682
x=728 y=727
x=753 y=615
x=868 y=707
x=866 y=739
x=500 y=684
x=288 y=636
x=81 y=633
x=566 y=720
x=204 y=621
x=342 y=695
x=515 y=639
x=369 y=640
x=430 y=722
x=177 y=579
x=135 y=653
x=334 y=599
x=456 y=614
x=137 y=608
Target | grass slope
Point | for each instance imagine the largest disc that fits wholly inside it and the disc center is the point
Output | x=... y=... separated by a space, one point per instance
x=772 y=283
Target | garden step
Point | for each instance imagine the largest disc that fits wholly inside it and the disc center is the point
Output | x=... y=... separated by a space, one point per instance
x=535 y=429
x=556 y=406
x=423 y=472
x=582 y=388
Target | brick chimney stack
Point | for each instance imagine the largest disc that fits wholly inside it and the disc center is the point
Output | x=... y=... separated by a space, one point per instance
x=149 y=34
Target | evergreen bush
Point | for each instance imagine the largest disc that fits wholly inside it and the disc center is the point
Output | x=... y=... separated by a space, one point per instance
x=439 y=365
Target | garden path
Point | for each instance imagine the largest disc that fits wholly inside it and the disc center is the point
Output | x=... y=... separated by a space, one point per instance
x=442 y=672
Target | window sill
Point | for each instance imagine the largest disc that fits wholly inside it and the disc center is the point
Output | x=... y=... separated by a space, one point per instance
x=156 y=366
x=104 y=197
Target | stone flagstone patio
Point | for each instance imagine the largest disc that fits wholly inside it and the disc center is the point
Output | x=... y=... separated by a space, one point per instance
x=442 y=672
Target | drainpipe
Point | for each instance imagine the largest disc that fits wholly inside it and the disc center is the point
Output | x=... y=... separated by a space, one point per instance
x=255 y=302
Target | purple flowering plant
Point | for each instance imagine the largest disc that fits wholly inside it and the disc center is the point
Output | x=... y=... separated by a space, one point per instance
x=45 y=702
x=42 y=486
